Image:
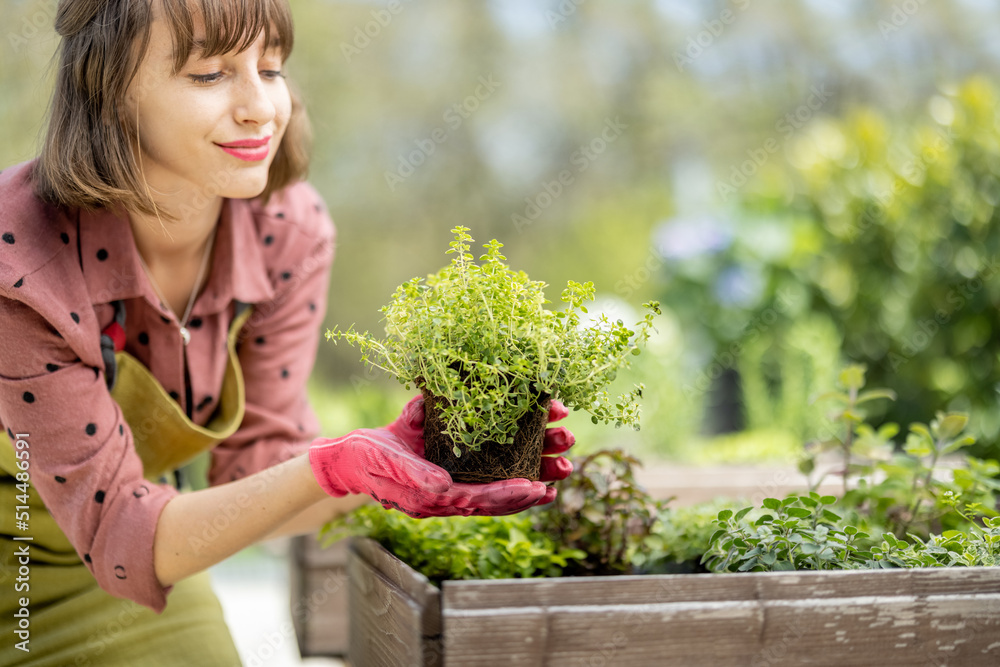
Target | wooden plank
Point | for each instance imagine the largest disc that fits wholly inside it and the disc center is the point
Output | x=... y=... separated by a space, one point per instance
x=319 y=606
x=896 y=618
x=416 y=585
x=849 y=632
x=310 y=554
x=626 y=589
x=961 y=630
x=659 y=589
x=670 y=635
x=323 y=613
x=389 y=625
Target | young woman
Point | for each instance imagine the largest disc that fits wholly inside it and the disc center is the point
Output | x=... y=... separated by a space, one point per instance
x=163 y=279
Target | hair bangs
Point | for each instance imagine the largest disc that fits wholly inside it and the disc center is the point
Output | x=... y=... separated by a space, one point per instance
x=229 y=25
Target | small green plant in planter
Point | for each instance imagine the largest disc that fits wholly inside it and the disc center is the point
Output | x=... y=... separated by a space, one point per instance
x=478 y=342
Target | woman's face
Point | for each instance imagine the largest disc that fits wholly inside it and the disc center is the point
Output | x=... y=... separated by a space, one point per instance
x=214 y=127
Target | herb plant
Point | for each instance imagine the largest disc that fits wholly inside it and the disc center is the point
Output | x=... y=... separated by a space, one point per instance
x=601 y=510
x=479 y=336
x=499 y=547
x=904 y=496
x=904 y=490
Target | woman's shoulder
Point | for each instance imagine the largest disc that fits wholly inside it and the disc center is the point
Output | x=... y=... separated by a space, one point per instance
x=294 y=231
x=40 y=267
x=297 y=210
x=33 y=232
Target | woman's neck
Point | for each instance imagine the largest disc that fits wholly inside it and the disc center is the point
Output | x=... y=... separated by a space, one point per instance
x=174 y=250
x=163 y=241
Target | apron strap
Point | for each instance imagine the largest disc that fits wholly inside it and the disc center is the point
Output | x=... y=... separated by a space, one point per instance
x=113 y=340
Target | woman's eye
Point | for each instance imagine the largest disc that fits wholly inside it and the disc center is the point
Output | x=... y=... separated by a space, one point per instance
x=272 y=74
x=205 y=78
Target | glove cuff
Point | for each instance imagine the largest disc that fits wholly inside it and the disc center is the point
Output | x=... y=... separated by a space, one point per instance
x=323 y=469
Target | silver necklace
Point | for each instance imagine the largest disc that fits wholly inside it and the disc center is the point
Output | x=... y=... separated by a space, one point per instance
x=185 y=334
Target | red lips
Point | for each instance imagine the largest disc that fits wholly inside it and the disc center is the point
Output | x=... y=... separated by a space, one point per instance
x=248 y=150
x=247 y=143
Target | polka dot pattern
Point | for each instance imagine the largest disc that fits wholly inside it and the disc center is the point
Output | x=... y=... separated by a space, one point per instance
x=285 y=281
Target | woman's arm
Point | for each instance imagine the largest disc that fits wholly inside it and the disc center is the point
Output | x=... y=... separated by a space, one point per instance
x=199 y=529
x=314 y=517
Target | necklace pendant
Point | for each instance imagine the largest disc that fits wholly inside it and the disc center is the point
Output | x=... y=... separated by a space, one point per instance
x=185 y=336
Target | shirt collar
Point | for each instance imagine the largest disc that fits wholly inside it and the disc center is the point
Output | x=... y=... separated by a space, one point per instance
x=112 y=270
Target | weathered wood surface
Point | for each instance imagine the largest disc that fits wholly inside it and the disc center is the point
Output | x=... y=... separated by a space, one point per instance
x=396 y=612
x=860 y=618
x=319 y=606
x=324 y=630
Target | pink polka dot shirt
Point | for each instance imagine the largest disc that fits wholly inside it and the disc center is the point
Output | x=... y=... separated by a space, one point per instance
x=60 y=271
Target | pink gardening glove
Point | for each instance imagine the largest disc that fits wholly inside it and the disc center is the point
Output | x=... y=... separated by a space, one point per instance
x=409 y=427
x=377 y=463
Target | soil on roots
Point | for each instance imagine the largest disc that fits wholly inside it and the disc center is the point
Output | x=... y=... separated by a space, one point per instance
x=493 y=461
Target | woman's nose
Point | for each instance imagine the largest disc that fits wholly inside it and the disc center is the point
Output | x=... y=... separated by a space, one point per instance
x=253 y=104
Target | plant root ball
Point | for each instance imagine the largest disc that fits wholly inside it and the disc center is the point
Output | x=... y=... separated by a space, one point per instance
x=493 y=461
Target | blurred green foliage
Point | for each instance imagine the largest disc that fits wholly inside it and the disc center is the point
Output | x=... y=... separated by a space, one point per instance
x=904 y=235
x=695 y=106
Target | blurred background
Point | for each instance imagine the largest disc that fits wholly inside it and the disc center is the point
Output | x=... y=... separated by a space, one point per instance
x=802 y=184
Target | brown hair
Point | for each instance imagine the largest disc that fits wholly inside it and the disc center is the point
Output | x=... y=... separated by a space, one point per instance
x=88 y=157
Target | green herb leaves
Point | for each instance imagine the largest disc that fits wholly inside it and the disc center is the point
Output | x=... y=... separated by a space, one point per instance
x=479 y=335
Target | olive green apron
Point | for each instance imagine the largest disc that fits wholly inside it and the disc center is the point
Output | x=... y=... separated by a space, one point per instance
x=72 y=620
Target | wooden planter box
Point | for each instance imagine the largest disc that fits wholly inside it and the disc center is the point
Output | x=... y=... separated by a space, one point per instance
x=319 y=576
x=844 y=618
x=318 y=585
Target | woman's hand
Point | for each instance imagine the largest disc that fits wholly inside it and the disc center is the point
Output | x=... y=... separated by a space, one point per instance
x=409 y=427
x=378 y=463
